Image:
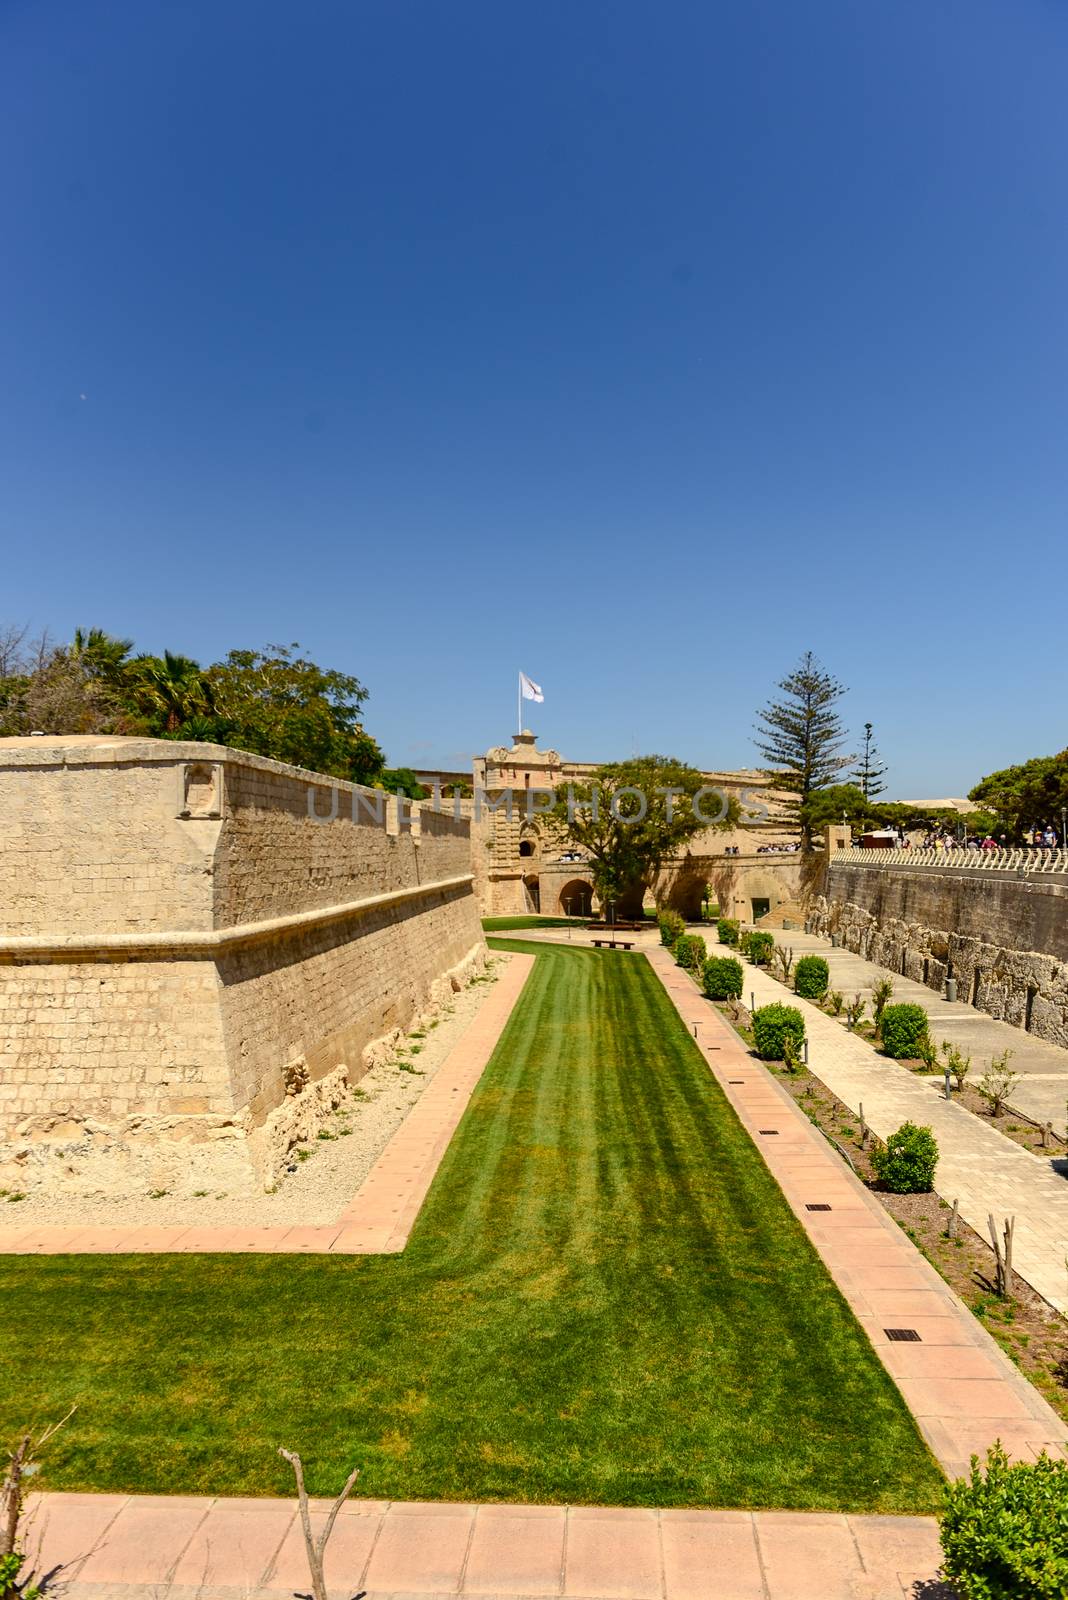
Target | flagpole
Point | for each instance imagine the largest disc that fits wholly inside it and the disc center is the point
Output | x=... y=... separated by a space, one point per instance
x=519 y=703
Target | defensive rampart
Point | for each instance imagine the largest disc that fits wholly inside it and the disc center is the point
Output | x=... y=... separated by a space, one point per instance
x=997 y=922
x=199 y=950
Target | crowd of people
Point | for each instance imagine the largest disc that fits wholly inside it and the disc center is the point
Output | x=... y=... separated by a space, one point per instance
x=1035 y=839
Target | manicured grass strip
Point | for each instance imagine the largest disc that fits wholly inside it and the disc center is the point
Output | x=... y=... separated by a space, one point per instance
x=504 y=924
x=605 y=1299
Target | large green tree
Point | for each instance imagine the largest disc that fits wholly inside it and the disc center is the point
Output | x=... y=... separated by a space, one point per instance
x=1027 y=796
x=801 y=736
x=632 y=817
x=279 y=703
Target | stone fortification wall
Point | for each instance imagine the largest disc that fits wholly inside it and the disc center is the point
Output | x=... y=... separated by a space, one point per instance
x=199 y=950
x=1003 y=934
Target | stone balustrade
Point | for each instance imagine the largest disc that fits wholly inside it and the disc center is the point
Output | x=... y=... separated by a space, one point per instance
x=1020 y=861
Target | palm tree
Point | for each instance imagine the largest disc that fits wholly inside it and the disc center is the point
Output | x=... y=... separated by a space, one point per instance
x=175 y=688
x=101 y=654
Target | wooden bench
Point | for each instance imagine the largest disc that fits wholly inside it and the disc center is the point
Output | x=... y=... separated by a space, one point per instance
x=615 y=944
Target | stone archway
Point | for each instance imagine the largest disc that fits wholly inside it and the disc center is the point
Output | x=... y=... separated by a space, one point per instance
x=576 y=898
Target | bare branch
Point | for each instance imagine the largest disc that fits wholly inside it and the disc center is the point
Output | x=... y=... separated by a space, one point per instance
x=315 y=1549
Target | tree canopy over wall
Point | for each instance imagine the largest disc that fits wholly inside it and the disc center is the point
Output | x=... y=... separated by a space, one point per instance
x=275 y=702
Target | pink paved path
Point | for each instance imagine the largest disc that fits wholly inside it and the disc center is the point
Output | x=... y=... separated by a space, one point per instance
x=962 y=1390
x=116 y=1545
x=380 y=1216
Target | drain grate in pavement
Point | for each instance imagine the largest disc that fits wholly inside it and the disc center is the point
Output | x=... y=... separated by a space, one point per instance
x=767 y=1132
x=735 y=1080
x=902 y=1335
x=817 y=1206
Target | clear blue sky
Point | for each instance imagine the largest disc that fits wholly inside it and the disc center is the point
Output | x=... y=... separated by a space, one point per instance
x=641 y=347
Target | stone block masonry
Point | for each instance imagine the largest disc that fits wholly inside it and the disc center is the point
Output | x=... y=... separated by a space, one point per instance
x=1001 y=932
x=200 y=951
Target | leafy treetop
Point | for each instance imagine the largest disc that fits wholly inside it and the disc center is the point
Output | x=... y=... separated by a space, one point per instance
x=274 y=702
x=627 y=845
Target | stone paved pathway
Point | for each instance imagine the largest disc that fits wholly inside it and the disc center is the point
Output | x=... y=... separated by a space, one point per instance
x=381 y=1214
x=1043 y=1067
x=117 y=1547
x=977 y=1165
x=962 y=1390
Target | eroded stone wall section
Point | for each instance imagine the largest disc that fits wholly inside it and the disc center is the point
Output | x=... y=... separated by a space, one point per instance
x=1002 y=936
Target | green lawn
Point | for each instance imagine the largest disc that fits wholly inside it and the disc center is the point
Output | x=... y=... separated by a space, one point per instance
x=511 y=924
x=605 y=1300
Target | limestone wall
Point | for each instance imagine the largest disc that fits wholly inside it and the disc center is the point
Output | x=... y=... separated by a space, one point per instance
x=1002 y=935
x=199 y=949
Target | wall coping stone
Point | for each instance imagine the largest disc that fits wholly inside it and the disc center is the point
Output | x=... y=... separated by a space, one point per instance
x=103 y=750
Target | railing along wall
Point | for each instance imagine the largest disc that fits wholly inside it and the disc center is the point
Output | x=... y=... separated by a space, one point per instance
x=1023 y=862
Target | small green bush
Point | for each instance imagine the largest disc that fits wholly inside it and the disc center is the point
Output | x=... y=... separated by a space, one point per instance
x=771 y=1027
x=903 y=1029
x=689 y=951
x=1005 y=1530
x=760 y=946
x=906 y=1163
x=671 y=925
x=811 y=977
x=722 y=978
x=727 y=928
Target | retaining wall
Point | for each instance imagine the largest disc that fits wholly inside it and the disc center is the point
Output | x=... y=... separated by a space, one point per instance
x=1002 y=933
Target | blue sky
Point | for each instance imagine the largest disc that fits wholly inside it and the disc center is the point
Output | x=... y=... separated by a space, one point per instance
x=639 y=347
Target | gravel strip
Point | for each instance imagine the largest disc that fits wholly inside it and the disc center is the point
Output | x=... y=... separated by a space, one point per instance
x=322 y=1181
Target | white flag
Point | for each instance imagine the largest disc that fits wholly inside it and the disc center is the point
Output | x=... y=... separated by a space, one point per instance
x=530 y=690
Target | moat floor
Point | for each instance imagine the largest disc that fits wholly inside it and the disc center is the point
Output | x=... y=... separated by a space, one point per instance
x=605 y=1299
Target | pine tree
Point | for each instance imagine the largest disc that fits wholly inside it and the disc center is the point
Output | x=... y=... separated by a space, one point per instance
x=868 y=776
x=801 y=736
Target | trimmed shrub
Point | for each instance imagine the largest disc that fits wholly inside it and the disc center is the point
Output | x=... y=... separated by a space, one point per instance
x=722 y=978
x=1004 y=1529
x=742 y=945
x=811 y=977
x=689 y=951
x=772 y=1025
x=727 y=928
x=671 y=925
x=760 y=946
x=903 y=1030
x=906 y=1163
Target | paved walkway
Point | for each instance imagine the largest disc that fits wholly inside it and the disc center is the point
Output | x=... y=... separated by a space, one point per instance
x=107 y=1547
x=980 y=1167
x=962 y=1390
x=380 y=1216
x=1043 y=1067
